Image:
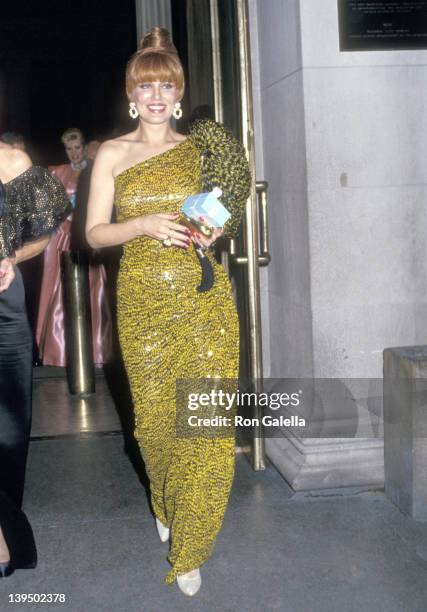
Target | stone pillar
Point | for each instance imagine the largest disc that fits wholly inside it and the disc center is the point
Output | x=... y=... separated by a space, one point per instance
x=405 y=429
x=342 y=146
x=150 y=13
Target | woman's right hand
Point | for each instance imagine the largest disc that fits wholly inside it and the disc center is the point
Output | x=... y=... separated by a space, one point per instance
x=7 y=273
x=163 y=226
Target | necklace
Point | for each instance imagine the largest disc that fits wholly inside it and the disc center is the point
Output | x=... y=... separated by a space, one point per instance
x=80 y=166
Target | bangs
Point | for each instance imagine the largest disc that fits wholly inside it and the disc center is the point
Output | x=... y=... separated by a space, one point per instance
x=149 y=67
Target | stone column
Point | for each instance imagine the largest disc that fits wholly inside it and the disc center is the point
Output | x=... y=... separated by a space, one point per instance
x=405 y=429
x=150 y=13
x=342 y=143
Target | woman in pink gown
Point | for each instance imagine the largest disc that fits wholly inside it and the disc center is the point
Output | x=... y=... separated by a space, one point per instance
x=50 y=322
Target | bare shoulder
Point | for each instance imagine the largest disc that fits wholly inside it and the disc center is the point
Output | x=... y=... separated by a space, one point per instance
x=113 y=153
x=121 y=142
x=111 y=150
x=108 y=154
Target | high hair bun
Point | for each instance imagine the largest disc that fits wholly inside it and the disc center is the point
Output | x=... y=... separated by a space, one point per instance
x=156 y=60
x=157 y=39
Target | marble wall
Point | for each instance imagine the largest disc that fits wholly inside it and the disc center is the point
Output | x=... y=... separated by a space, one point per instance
x=343 y=140
x=343 y=147
x=366 y=130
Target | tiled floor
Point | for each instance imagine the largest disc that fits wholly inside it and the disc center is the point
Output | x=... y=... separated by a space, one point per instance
x=56 y=413
x=321 y=551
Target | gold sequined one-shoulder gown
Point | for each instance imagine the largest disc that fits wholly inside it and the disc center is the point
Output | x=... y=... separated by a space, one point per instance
x=168 y=330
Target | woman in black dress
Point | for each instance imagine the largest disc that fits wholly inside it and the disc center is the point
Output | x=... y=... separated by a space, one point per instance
x=32 y=204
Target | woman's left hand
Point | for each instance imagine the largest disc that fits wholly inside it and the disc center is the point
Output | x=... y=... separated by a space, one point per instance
x=7 y=273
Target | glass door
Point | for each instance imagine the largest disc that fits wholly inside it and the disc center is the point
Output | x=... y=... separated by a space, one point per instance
x=212 y=37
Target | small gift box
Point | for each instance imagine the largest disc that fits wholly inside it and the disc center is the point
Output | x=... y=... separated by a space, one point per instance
x=208 y=206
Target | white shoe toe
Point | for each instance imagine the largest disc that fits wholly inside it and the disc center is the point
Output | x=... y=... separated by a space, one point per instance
x=162 y=531
x=190 y=582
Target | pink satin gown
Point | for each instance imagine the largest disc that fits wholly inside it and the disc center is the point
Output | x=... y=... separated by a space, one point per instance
x=50 y=322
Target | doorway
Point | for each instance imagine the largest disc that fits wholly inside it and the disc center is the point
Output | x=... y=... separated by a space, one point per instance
x=212 y=39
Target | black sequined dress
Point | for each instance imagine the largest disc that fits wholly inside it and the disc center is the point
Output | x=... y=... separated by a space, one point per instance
x=31 y=206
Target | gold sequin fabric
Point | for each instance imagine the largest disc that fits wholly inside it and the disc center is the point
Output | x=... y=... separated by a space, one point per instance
x=32 y=205
x=169 y=331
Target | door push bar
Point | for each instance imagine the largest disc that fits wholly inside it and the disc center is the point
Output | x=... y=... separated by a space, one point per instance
x=264 y=257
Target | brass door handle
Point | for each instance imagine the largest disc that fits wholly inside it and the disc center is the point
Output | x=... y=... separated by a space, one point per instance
x=264 y=256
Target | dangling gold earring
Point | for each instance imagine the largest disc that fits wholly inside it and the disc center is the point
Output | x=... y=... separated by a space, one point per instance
x=133 y=112
x=177 y=111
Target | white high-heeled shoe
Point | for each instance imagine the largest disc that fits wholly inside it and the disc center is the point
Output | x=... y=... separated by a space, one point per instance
x=162 y=531
x=190 y=582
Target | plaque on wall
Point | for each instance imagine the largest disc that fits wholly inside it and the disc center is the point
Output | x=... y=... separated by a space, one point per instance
x=380 y=25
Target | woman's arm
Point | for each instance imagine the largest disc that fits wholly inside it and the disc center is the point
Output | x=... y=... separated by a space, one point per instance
x=100 y=232
x=31 y=249
x=27 y=251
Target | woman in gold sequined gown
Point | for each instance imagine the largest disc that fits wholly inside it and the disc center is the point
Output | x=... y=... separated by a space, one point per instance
x=168 y=330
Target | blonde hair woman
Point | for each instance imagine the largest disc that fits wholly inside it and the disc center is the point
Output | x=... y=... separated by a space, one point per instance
x=50 y=332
